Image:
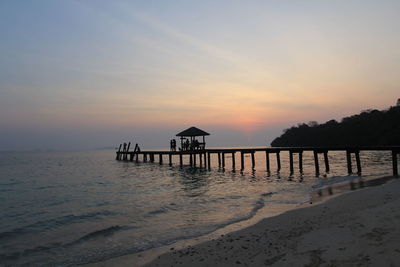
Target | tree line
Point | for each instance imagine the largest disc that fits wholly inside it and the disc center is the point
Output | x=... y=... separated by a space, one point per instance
x=369 y=128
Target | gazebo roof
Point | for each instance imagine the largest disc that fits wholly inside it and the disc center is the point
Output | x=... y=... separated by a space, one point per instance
x=192 y=131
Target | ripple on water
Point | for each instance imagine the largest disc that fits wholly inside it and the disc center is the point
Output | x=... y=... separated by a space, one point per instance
x=76 y=207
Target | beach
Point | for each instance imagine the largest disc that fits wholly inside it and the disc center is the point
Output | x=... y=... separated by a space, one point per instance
x=358 y=228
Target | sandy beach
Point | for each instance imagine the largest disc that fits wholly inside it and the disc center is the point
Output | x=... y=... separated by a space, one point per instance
x=359 y=228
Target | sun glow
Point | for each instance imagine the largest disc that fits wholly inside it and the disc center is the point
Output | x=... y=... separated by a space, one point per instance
x=129 y=65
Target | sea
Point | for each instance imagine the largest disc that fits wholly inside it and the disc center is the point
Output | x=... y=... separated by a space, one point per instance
x=63 y=208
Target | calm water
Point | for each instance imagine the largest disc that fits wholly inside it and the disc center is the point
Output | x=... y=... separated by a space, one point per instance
x=64 y=208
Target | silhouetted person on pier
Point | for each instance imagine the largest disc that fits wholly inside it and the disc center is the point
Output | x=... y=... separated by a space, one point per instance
x=187 y=144
x=173 y=145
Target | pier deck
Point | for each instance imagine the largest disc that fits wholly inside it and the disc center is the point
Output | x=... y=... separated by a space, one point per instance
x=204 y=156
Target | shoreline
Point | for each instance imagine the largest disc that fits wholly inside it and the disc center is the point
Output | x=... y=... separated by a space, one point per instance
x=174 y=254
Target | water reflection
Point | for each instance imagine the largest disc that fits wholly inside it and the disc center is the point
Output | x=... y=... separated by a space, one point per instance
x=342 y=187
x=194 y=181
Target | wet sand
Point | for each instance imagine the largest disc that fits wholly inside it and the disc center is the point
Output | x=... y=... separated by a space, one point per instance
x=358 y=228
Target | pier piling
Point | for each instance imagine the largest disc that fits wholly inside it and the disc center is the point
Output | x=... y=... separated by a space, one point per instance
x=357 y=153
x=118 y=153
x=278 y=160
x=253 y=162
x=326 y=161
x=127 y=150
x=349 y=166
x=301 y=161
x=316 y=162
x=291 y=162
x=267 y=161
x=124 y=154
x=241 y=160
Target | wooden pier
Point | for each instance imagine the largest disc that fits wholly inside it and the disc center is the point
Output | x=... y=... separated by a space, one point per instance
x=202 y=157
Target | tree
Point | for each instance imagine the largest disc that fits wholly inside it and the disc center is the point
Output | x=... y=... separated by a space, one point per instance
x=370 y=127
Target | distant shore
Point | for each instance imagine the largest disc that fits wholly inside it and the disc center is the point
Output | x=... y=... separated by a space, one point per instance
x=358 y=228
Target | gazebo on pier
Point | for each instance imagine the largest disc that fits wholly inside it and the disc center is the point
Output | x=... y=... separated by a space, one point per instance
x=189 y=141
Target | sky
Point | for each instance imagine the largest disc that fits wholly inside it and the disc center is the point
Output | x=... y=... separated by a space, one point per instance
x=89 y=74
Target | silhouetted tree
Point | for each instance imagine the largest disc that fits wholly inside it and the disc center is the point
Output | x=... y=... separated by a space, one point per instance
x=370 y=127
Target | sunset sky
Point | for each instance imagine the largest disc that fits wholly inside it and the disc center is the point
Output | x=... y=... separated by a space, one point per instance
x=87 y=74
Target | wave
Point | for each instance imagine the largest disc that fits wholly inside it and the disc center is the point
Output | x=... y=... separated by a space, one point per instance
x=46 y=225
x=98 y=234
x=103 y=232
x=159 y=211
x=54 y=246
x=11 y=183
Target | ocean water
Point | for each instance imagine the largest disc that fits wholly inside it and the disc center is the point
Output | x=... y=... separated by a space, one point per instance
x=75 y=207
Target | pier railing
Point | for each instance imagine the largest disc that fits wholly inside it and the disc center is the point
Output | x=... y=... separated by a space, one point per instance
x=204 y=156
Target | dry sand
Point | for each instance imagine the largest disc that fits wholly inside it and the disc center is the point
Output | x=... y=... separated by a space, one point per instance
x=360 y=228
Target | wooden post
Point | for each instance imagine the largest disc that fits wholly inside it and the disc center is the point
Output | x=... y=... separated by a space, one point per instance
x=205 y=159
x=349 y=167
x=267 y=161
x=190 y=160
x=219 y=159
x=358 y=162
x=326 y=161
x=194 y=159
x=127 y=150
x=223 y=160
x=160 y=159
x=170 y=159
x=253 y=162
x=201 y=159
x=180 y=159
x=144 y=157
x=151 y=157
x=123 y=152
x=278 y=160
x=135 y=152
x=241 y=160
x=301 y=161
x=291 y=162
x=209 y=160
x=394 y=163
x=316 y=162
x=131 y=156
x=118 y=152
x=233 y=161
